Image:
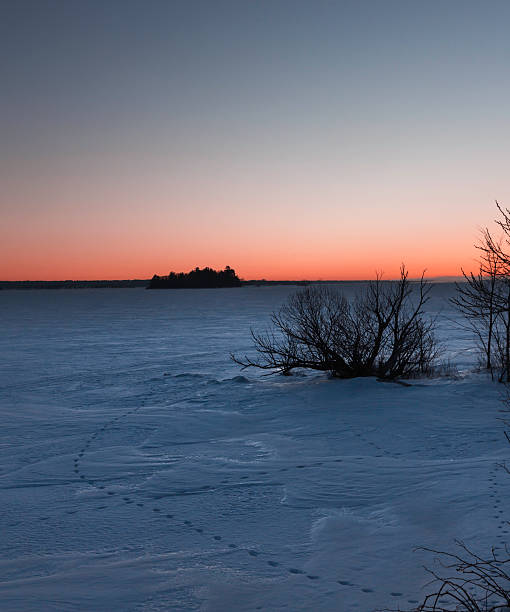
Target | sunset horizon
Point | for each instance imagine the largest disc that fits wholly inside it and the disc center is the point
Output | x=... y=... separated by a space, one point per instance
x=206 y=404
x=293 y=140
x=438 y=277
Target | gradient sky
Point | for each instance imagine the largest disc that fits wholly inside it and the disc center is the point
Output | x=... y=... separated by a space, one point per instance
x=287 y=139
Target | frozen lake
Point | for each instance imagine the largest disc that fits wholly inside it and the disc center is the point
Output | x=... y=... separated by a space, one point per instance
x=141 y=470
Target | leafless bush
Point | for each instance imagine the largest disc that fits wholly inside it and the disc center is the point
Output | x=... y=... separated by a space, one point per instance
x=484 y=299
x=382 y=332
x=468 y=582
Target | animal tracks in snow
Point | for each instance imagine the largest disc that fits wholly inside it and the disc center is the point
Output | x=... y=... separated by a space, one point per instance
x=235 y=480
x=301 y=469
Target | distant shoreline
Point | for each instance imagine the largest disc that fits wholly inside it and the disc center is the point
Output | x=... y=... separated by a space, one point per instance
x=28 y=285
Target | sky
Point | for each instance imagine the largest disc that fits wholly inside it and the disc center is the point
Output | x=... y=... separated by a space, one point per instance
x=288 y=139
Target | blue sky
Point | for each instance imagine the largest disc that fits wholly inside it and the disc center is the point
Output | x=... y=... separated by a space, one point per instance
x=296 y=139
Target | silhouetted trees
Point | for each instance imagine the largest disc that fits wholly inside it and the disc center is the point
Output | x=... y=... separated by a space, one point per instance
x=484 y=299
x=468 y=582
x=196 y=279
x=382 y=332
x=477 y=299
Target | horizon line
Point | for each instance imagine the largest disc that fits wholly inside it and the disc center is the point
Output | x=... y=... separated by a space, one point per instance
x=254 y=280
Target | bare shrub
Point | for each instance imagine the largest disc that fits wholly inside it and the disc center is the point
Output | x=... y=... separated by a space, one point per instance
x=468 y=582
x=382 y=332
x=484 y=299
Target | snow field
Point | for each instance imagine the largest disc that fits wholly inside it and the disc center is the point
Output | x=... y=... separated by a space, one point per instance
x=141 y=470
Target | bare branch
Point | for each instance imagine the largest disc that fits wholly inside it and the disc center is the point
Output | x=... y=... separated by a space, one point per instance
x=382 y=332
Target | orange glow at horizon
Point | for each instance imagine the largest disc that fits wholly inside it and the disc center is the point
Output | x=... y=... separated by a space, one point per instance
x=118 y=237
x=85 y=228
x=333 y=145
x=319 y=260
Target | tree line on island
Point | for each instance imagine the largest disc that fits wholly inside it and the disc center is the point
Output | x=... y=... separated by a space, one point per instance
x=199 y=278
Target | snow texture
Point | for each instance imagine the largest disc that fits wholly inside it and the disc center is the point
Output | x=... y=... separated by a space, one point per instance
x=141 y=470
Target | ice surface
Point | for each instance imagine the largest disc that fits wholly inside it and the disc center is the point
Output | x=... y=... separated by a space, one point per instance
x=140 y=469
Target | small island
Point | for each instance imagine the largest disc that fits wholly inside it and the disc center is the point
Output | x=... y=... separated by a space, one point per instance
x=198 y=278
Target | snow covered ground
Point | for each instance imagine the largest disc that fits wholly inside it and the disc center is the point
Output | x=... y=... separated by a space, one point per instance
x=141 y=470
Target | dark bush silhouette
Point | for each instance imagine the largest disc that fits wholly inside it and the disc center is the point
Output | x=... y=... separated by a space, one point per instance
x=484 y=299
x=468 y=582
x=382 y=332
x=196 y=279
x=478 y=299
